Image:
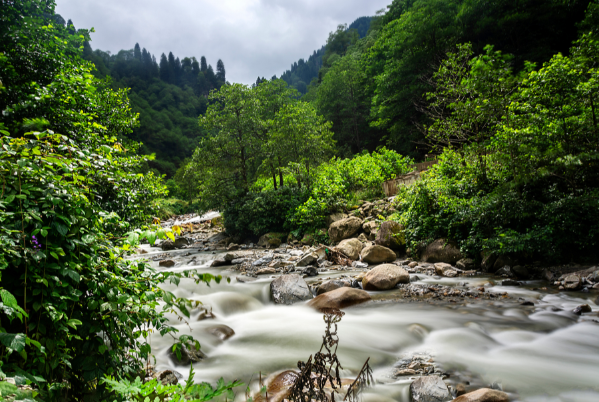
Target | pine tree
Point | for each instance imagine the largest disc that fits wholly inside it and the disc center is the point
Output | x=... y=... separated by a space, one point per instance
x=171 y=68
x=137 y=52
x=220 y=70
x=70 y=27
x=203 y=64
x=195 y=66
x=164 y=70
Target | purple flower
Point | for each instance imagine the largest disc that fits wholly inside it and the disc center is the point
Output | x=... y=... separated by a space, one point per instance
x=36 y=244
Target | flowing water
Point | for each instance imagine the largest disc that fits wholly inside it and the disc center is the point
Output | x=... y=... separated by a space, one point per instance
x=535 y=353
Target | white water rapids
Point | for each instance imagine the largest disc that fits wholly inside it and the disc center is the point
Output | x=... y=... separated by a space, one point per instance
x=536 y=353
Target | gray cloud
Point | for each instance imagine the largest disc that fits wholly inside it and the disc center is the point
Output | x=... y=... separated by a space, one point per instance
x=252 y=37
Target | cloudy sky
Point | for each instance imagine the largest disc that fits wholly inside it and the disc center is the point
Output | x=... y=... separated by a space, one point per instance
x=252 y=37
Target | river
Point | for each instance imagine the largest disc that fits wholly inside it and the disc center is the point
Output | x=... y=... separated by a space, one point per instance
x=535 y=353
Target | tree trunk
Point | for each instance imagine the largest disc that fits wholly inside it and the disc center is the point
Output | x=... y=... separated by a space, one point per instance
x=281 y=183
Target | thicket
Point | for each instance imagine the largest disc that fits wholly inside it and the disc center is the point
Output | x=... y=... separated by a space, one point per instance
x=72 y=308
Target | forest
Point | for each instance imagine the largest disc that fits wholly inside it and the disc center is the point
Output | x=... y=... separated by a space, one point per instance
x=98 y=149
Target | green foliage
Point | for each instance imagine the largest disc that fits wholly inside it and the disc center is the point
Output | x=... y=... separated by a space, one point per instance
x=154 y=391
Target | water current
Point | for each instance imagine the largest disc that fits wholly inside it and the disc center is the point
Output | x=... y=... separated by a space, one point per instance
x=535 y=353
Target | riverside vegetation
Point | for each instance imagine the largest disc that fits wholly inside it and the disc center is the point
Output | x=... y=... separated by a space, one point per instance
x=518 y=155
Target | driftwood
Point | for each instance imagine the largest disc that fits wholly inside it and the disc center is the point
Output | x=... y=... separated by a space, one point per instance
x=337 y=257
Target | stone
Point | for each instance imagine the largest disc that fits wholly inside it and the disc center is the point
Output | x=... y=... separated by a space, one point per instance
x=245 y=279
x=189 y=354
x=429 y=389
x=377 y=254
x=451 y=273
x=271 y=239
x=520 y=271
x=351 y=248
x=583 y=308
x=460 y=389
x=465 y=264
x=263 y=260
x=332 y=285
x=308 y=259
x=307 y=239
x=390 y=235
x=166 y=377
x=362 y=238
x=238 y=261
x=344 y=228
x=181 y=242
x=339 y=298
x=412 y=264
x=289 y=289
x=442 y=251
x=488 y=261
x=218 y=262
x=385 y=277
x=502 y=261
x=359 y=264
x=510 y=282
x=572 y=282
x=266 y=271
x=399 y=373
x=335 y=217
x=310 y=271
x=370 y=227
x=505 y=271
x=222 y=332
x=233 y=247
x=278 y=388
x=484 y=395
x=229 y=257
x=166 y=263
x=441 y=267
x=167 y=245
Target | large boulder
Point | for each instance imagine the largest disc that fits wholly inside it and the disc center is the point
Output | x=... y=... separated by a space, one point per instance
x=488 y=261
x=329 y=286
x=308 y=259
x=429 y=389
x=390 y=235
x=344 y=228
x=502 y=261
x=385 y=277
x=484 y=395
x=189 y=354
x=271 y=240
x=442 y=251
x=181 y=242
x=339 y=298
x=572 y=282
x=289 y=289
x=377 y=254
x=337 y=216
x=167 y=245
x=351 y=248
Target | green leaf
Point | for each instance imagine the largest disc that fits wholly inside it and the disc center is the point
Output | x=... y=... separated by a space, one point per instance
x=73 y=323
x=9 y=199
x=15 y=342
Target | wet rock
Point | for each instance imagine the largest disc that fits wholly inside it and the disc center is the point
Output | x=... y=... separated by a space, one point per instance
x=307 y=239
x=505 y=271
x=229 y=257
x=465 y=264
x=377 y=254
x=266 y=271
x=332 y=285
x=390 y=235
x=359 y=264
x=520 y=271
x=527 y=303
x=385 y=277
x=572 y=282
x=510 y=282
x=189 y=354
x=222 y=332
x=502 y=261
x=451 y=273
x=370 y=227
x=310 y=271
x=233 y=247
x=442 y=251
x=218 y=262
x=181 y=242
x=460 y=389
x=308 y=259
x=404 y=372
x=335 y=217
x=484 y=395
x=271 y=239
x=245 y=279
x=278 y=388
x=263 y=260
x=441 y=268
x=166 y=263
x=351 y=248
x=339 y=298
x=412 y=264
x=289 y=289
x=344 y=228
x=429 y=389
x=583 y=308
x=167 y=245
x=166 y=377
x=488 y=261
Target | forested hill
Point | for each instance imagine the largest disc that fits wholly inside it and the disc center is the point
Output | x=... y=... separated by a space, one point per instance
x=169 y=94
x=302 y=72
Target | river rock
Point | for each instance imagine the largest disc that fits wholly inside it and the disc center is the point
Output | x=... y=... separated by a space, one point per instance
x=442 y=251
x=233 y=247
x=505 y=271
x=441 y=268
x=166 y=263
x=339 y=298
x=335 y=217
x=351 y=248
x=229 y=257
x=344 y=228
x=181 y=242
x=572 y=282
x=363 y=238
x=310 y=271
x=218 y=262
x=583 y=308
x=278 y=388
x=166 y=377
x=167 y=245
x=266 y=271
x=502 y=261
x=484 y=395
x=289 y=289
x=222 y=332
x=465 y=264
x=370 y=227
x=385 y=277
x=390 y=235
x=245 y=279
x=263 y=260
x=520 y=271
x=377 y=254
x=332 y=285
x=429 y=389
x=308 y=259
x=189 y=354
x=271 y=240
x=510 y=282
x=488 y=261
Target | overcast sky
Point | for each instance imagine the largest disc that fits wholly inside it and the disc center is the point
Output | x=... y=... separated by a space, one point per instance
x=252 y=37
